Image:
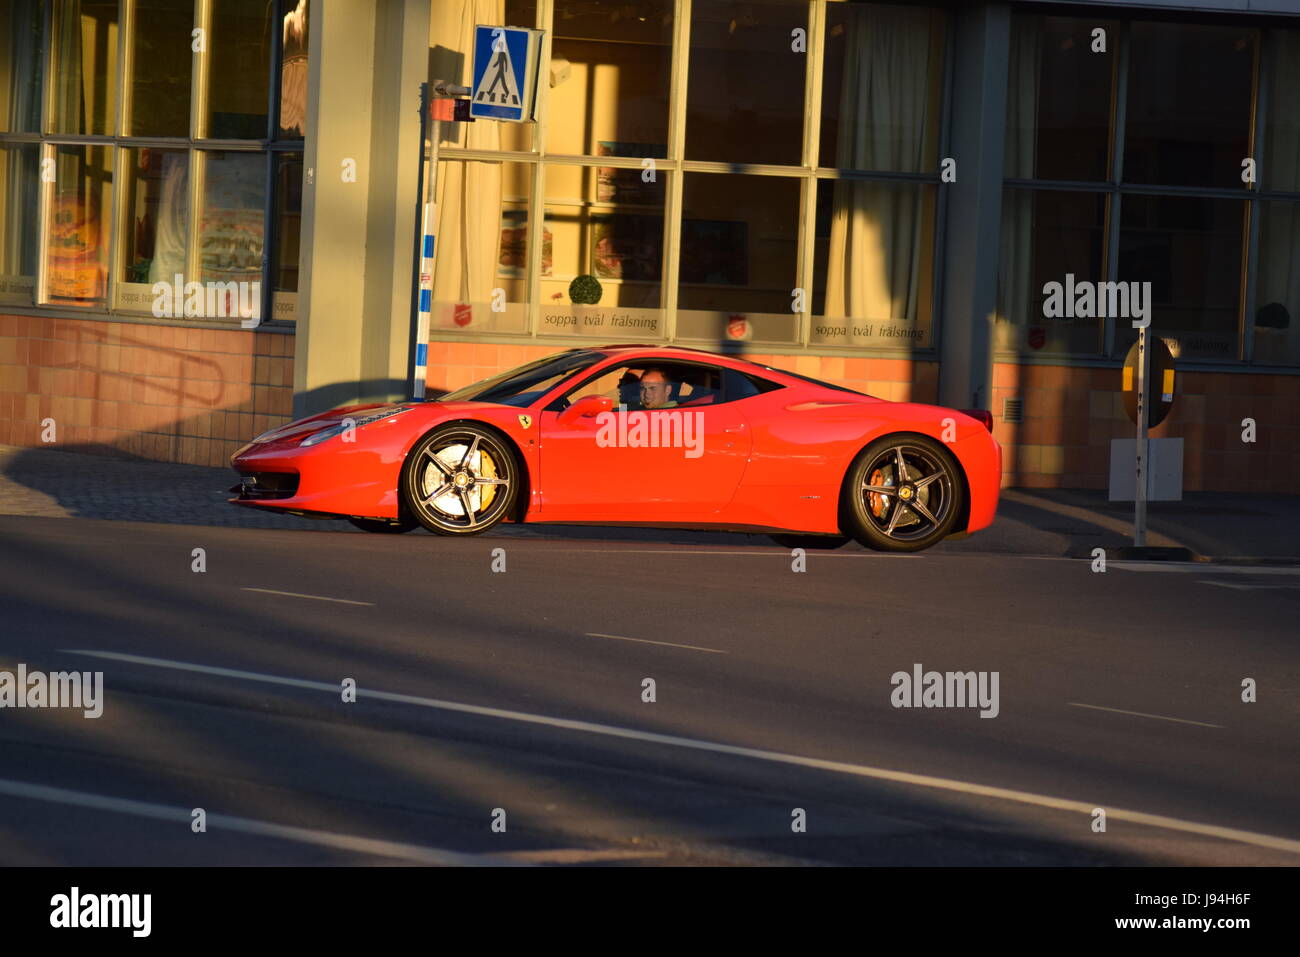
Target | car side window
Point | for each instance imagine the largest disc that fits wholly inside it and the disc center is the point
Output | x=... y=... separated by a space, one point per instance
x=742 y=386
x=692 y=384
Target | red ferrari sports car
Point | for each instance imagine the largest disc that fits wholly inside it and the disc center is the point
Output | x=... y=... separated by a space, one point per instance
x=640 y=435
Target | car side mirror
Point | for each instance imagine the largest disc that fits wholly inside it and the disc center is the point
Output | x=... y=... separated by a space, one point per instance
x=585 y=408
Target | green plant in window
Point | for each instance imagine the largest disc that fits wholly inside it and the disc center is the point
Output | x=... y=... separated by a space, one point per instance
x=585 y=290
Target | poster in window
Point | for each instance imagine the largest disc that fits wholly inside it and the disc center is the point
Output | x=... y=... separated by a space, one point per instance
x=512 y=262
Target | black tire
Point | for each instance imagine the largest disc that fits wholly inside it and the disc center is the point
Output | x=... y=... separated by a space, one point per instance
x=460 y=479
x=902 y=516
x=811 y=541
x=384 y=526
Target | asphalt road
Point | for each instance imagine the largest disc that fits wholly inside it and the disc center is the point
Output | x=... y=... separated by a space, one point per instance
x=523 y=690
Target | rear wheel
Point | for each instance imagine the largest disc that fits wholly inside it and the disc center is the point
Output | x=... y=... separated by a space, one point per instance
x=903 y=493
x=811 y=541
x=384 y=526
x=460 y=480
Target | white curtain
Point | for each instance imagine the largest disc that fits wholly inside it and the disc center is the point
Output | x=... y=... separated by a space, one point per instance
x=875 y=261
x=1021 y=160
x=1278 y=275
x=468 y=194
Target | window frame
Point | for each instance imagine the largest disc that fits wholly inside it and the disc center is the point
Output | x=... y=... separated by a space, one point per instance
x=808 y=174
x=196 y=145
x=1116 y=188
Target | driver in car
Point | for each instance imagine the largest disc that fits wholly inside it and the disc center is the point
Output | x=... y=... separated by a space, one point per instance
x=656 y=389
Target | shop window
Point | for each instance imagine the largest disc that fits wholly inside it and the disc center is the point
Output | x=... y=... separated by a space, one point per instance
x=1280 y=168
x=1189 y=104
x=451 y=58
x=288 y=232
x=480 y=272
x=240 y=38
x=18 y=219
x=1059 y=98
x=200 y=214
x=76 y=252
x=605 y=227
x=21 y=65
x=874 y=265
x=161 y=63
x=85 y=68
x=744 y=100
x=1051 y=237
x=155 y=239
x=739 y=251
x=1189 y=249
x=294 y=27
x=610 y=74
x=1277 y=295
x=881 y=88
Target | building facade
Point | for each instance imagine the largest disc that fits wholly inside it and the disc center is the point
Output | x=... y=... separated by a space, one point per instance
x=209 y=211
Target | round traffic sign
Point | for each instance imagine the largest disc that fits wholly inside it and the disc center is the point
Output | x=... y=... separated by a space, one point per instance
x=1160 y=381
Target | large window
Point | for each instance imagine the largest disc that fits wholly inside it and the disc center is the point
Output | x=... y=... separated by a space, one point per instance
x=1129 y=161
x=152 y=153
x=761 y=170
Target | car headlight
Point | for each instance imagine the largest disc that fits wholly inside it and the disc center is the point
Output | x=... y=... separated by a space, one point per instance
x=350 y=422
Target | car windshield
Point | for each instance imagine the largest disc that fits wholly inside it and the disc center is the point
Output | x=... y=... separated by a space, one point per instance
x=523 y=385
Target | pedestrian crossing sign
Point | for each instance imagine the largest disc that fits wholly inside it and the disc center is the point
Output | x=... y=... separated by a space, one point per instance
x=505 y=73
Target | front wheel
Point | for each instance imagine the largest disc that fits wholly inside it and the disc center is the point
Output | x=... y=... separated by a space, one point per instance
x=903 y=493
x=460 y=480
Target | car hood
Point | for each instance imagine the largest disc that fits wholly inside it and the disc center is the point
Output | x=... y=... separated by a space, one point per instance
x=301 y=428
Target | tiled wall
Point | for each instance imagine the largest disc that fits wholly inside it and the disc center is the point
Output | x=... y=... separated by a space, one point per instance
x=156 y=391
x=1071 y=414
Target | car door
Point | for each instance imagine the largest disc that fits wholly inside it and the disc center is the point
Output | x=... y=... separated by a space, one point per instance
x=635 y=465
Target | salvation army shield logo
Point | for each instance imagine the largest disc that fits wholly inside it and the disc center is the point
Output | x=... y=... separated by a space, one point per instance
x=737 y=327
x=462 y=314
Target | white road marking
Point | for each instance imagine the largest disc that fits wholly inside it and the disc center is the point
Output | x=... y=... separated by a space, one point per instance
x=577 y=855
x=294 y=594
x=223 y=822
x=776 y=757
x=666 y=644
x=1245 y=587
x=1143 y=714
x=1204 y=568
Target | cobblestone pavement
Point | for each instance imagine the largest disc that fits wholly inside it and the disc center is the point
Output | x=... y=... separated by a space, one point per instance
x=61 y=484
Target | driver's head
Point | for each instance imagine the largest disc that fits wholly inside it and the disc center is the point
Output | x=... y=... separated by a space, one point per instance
x=656 y=388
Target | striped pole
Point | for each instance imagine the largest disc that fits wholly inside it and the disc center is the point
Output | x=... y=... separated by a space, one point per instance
x=426 y=301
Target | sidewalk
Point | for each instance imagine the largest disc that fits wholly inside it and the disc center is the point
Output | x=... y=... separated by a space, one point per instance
x=1219 y=526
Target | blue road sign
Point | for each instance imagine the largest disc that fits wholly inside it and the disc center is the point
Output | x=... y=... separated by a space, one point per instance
x=505 y=70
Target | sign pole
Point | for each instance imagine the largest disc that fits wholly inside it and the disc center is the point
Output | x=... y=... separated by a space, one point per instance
x=417 y=362
x=1140 y=449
